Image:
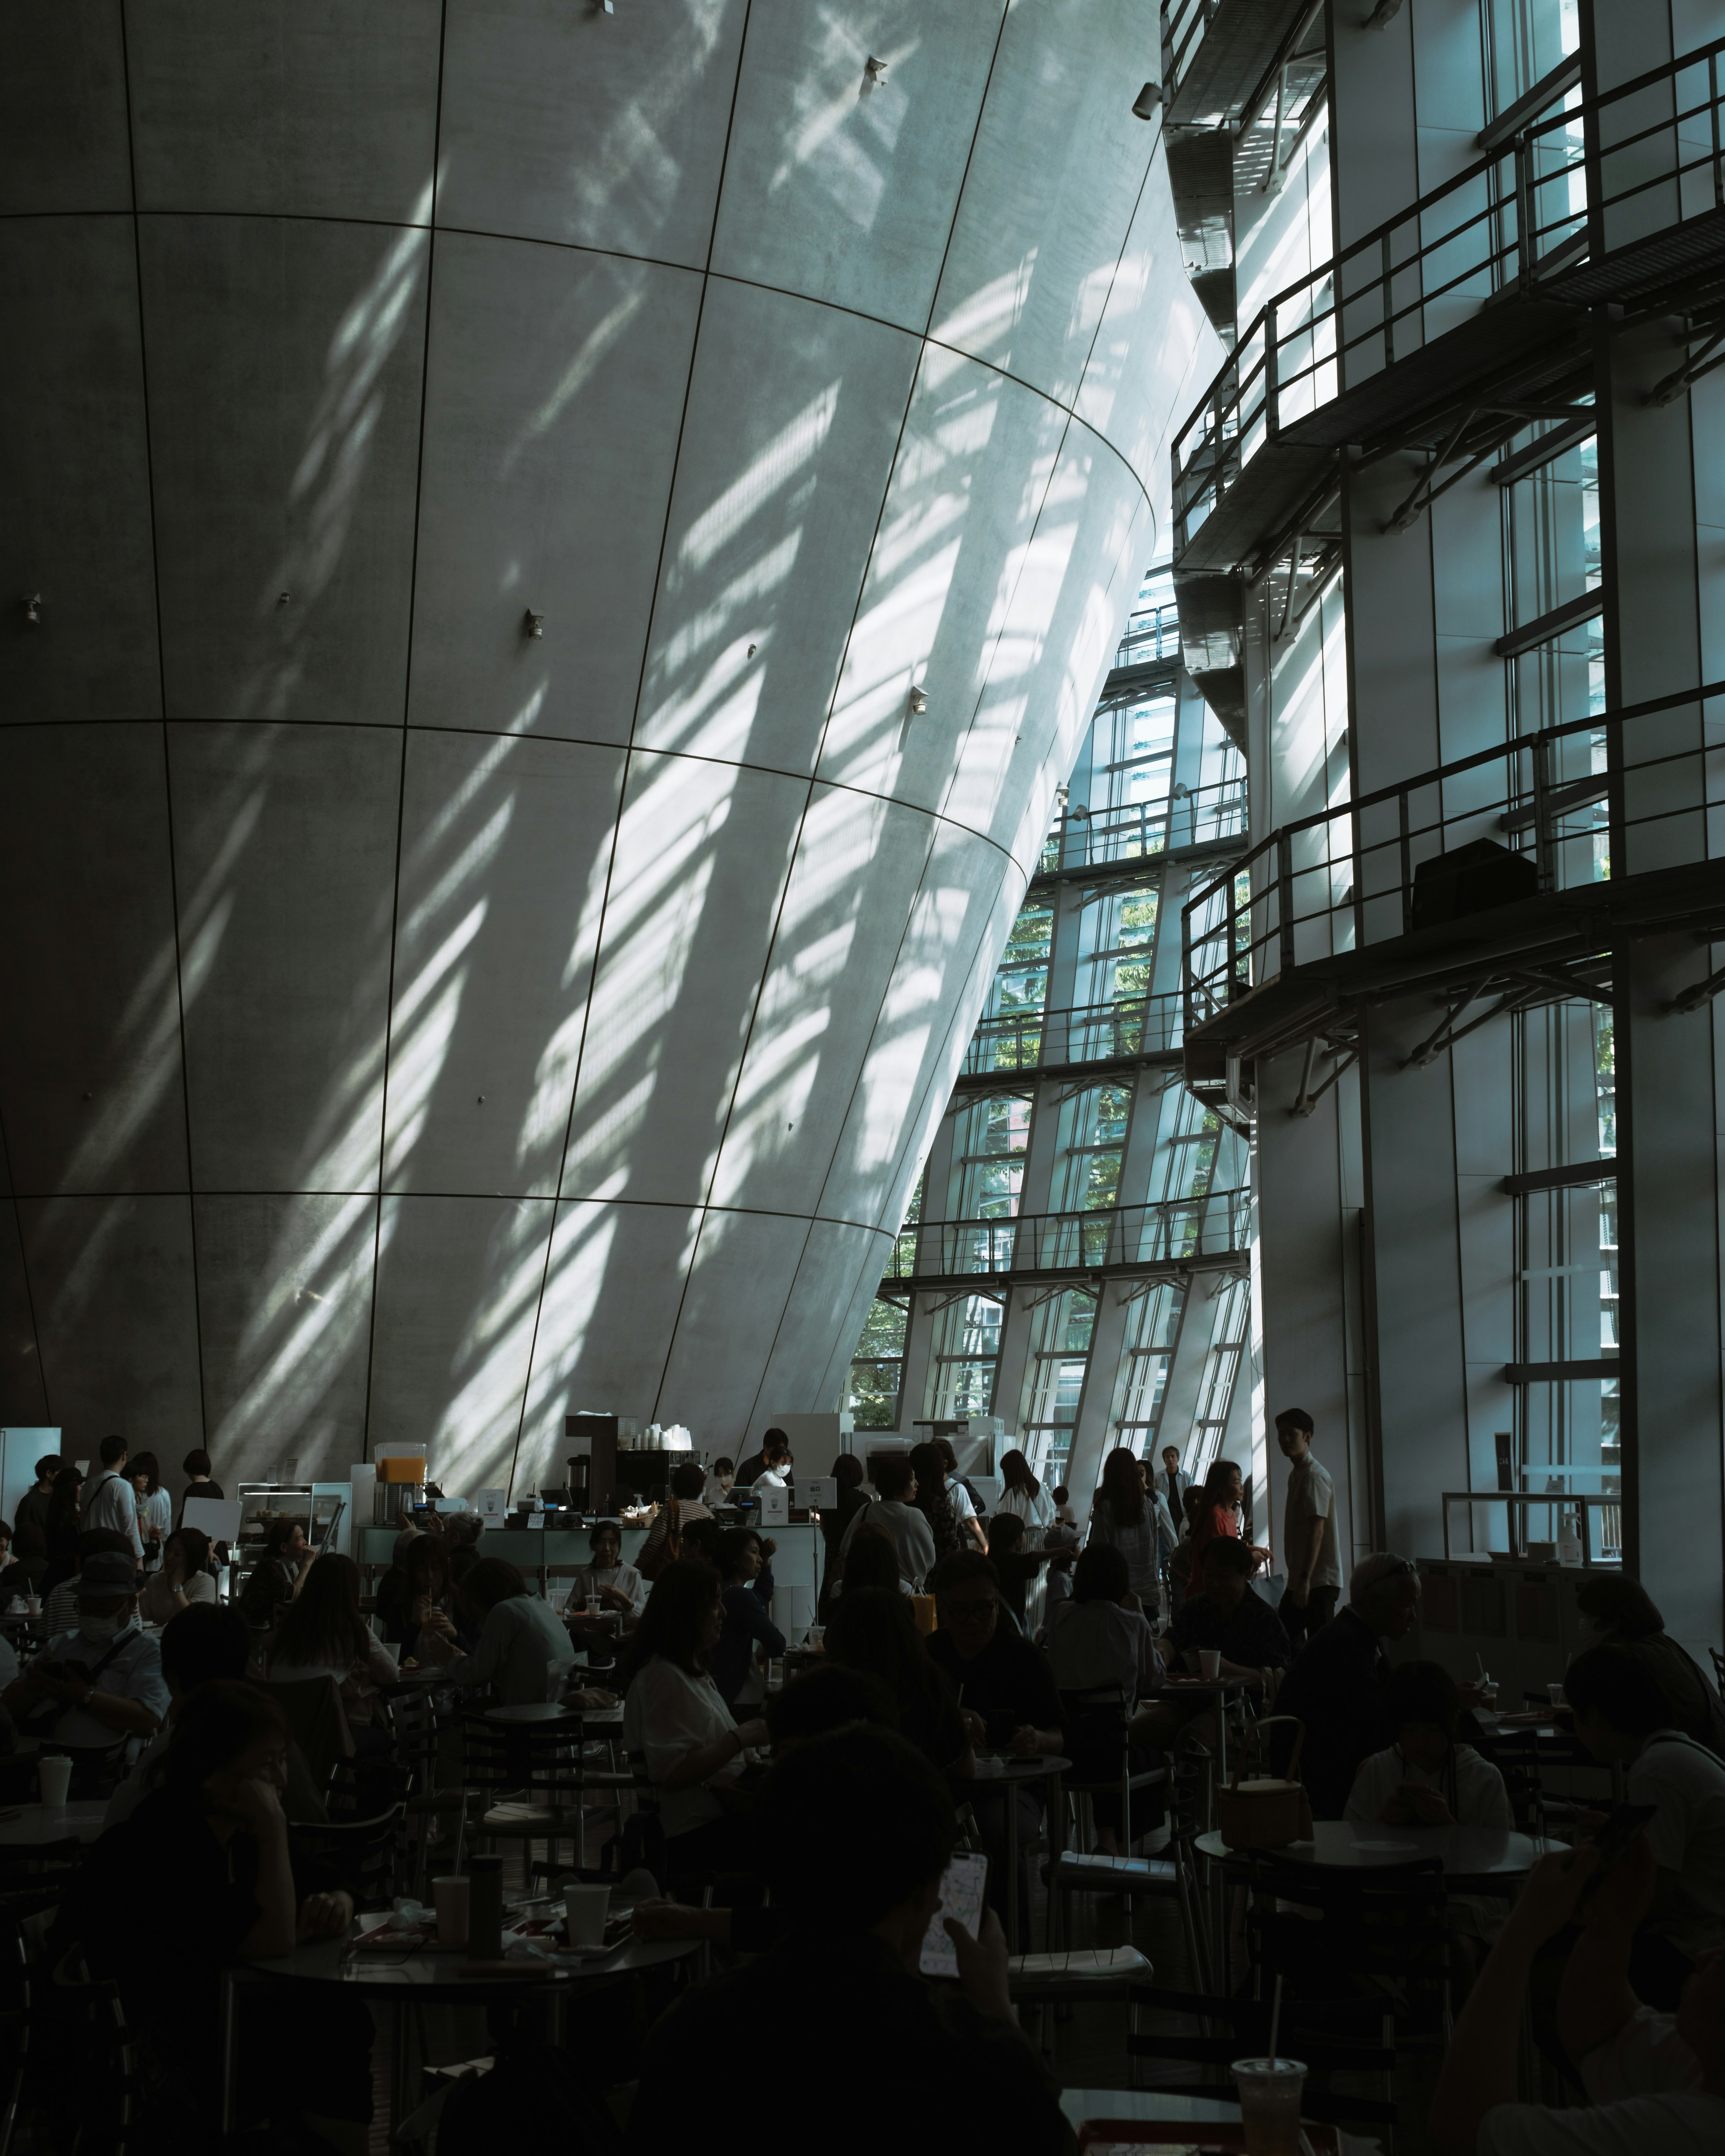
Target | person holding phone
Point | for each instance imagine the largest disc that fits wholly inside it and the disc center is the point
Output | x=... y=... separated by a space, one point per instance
x=1625 y=1719
x=1424 y=1778
x=856 y=1832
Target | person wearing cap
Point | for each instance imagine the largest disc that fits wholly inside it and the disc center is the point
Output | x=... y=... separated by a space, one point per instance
x=105 y=1678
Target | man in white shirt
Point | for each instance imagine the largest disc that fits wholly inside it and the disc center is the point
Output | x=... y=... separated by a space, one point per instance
x=1657 y=2083
x=110 y=1501
x=1169 y=1485
x=1622 y=1717
x=1308 y=1539
x=898 y=1519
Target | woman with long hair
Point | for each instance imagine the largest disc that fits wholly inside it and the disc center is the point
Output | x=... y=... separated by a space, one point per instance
x=418 y=1583
x=1123 y=1517
x=214 y=1832
x=323 y=1635
x=284 y=1566
x=1224 y=1495
x=747 y=1592
x=62 y=1529
x=932 y=1500
x=156 y=1511
x=873 y=1631
x=186 y=1575
x=673 y=1717
x=870 y=1561
x=1020 y=1492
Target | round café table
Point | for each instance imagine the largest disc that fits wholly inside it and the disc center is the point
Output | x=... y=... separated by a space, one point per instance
x=426 y=1977
x=1178 y=1684
x=34 y=1826
x=995 y=1774
x=1475 y=1860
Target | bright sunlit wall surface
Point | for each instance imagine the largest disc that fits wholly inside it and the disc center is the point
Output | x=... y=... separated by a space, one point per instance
x=486 y=934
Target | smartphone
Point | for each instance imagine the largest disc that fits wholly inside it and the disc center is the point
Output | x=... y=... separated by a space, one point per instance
x=961 y=1885
x=1619 y=1828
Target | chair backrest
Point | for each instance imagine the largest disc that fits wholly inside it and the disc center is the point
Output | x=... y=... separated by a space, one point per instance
x=314 y=1711
x=362 y=1855
x=541 y=1760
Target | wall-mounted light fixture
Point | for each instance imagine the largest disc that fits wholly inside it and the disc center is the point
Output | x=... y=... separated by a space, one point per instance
x=917 y=702
x=532 y=624
x=1148 y=101
x=32 y=605
x=874 y=71
x=753 y=649
x=284 y=598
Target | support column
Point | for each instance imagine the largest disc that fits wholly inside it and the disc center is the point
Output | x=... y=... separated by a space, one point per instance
x=1092 y=1436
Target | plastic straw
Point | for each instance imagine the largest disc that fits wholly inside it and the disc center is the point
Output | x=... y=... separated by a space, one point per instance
x=461 y=1836
x=1275 y=2019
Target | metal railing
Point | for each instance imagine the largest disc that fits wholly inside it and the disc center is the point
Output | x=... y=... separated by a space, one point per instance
x=1090 y=1033
x=1211 y=1224
x=1598 y=798
x=1149 y=637
x=1510 y=222
x=1183 y=24
x=1080 y=840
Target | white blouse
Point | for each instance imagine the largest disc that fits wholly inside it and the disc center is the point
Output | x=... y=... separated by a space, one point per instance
x=591 y=1579
x=667 y=1714
x=1037 y=1512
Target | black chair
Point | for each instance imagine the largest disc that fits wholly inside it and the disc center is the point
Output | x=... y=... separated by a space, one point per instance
x=533 y=1779
x=318 y=1724
x=365 y=1857
x=1098 y=1736
x=1335 y=1934
x=1330 y=2037
x=105 y=2100
x=1170 y=1875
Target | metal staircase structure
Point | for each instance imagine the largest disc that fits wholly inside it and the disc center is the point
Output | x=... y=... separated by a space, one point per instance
x=1170 y=1240
x=1495 y=884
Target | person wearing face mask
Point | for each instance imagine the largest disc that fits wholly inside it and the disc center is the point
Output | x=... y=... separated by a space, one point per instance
x=94 y=1690
x=216 y=1829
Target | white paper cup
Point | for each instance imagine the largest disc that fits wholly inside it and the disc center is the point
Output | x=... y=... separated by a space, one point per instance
x=587 y=1907
x=450 y=1893
x=1270 y=2092
x=55 y=1772
x=392 y=1649
x=1554 y=1693
x=33 y=1603
x=1210 y=1661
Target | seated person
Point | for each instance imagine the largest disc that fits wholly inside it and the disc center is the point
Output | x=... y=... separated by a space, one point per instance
x=216 y=1832
x=419 y=1582
x=93 y=1692
x=948 y=2067
x=186 y=1575
x=870 y=1561
x=1618 y=1611
x=1336 y=1686
x=674 y=1719
x=700 y=1541
x=519 y=1636
x=461 y=1538
x=206 y=1645
x=749 y=1633
x=276 y=1578
x=59 y=1608
x=619 y=1589
x=715 y=1490
x=1010 y=1704
x=1654 y=2081
x=1623 y=1716
x=872 y=1630
x=1103 y=1640
x=1425 y=1778
x=894 y=1514
x=812 y=1705
x=1225 y=1614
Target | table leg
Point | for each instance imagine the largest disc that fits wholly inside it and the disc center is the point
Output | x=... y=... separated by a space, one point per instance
x=1012 y=1868
x=230 y=2050
x=399 y=2104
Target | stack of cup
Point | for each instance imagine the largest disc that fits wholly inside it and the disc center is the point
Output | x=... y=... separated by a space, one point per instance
x=586 y=1908
x=55 y=1773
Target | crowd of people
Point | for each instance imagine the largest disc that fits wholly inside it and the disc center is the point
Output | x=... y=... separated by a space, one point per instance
x=182 y=1713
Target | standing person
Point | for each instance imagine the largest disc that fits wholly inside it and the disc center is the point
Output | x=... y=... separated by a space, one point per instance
x=64 y=1510
x=108 y=1499
x=30 y=1541
x=196 y=1469
x=750 y=1470
x=967 y=1506
x=682 y=1507
x=1124 y=1517
x=720 y=1478
x=848 y=1474
x=1308 y=1533
x=1338 y=1687
x=1020 y=1492
x=156 y=1511
x=894 y=1513
x=1171 y=1485
x=776 y=1464
x=934 y=1501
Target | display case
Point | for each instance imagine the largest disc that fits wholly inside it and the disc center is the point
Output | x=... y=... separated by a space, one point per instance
x=314 y=1508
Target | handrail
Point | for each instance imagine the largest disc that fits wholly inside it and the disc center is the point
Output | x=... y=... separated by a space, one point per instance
x=1162 y=628
x=1086 y=1033
x=1253 y=909
x=1234 y=417
x=1208 y=1223
x=1082 y=839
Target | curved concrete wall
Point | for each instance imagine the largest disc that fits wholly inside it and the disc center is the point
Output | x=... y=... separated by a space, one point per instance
x=415 y=1028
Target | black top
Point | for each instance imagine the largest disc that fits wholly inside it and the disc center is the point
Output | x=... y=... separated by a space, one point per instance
x=1009 y=1677
x=748 y=1473
x=932 y=2074
x=835 y=1521
x=748 y=1617
x=1337 y=1689
x=1016 y=1572
x=1252 y=1635
x=29 y=1531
